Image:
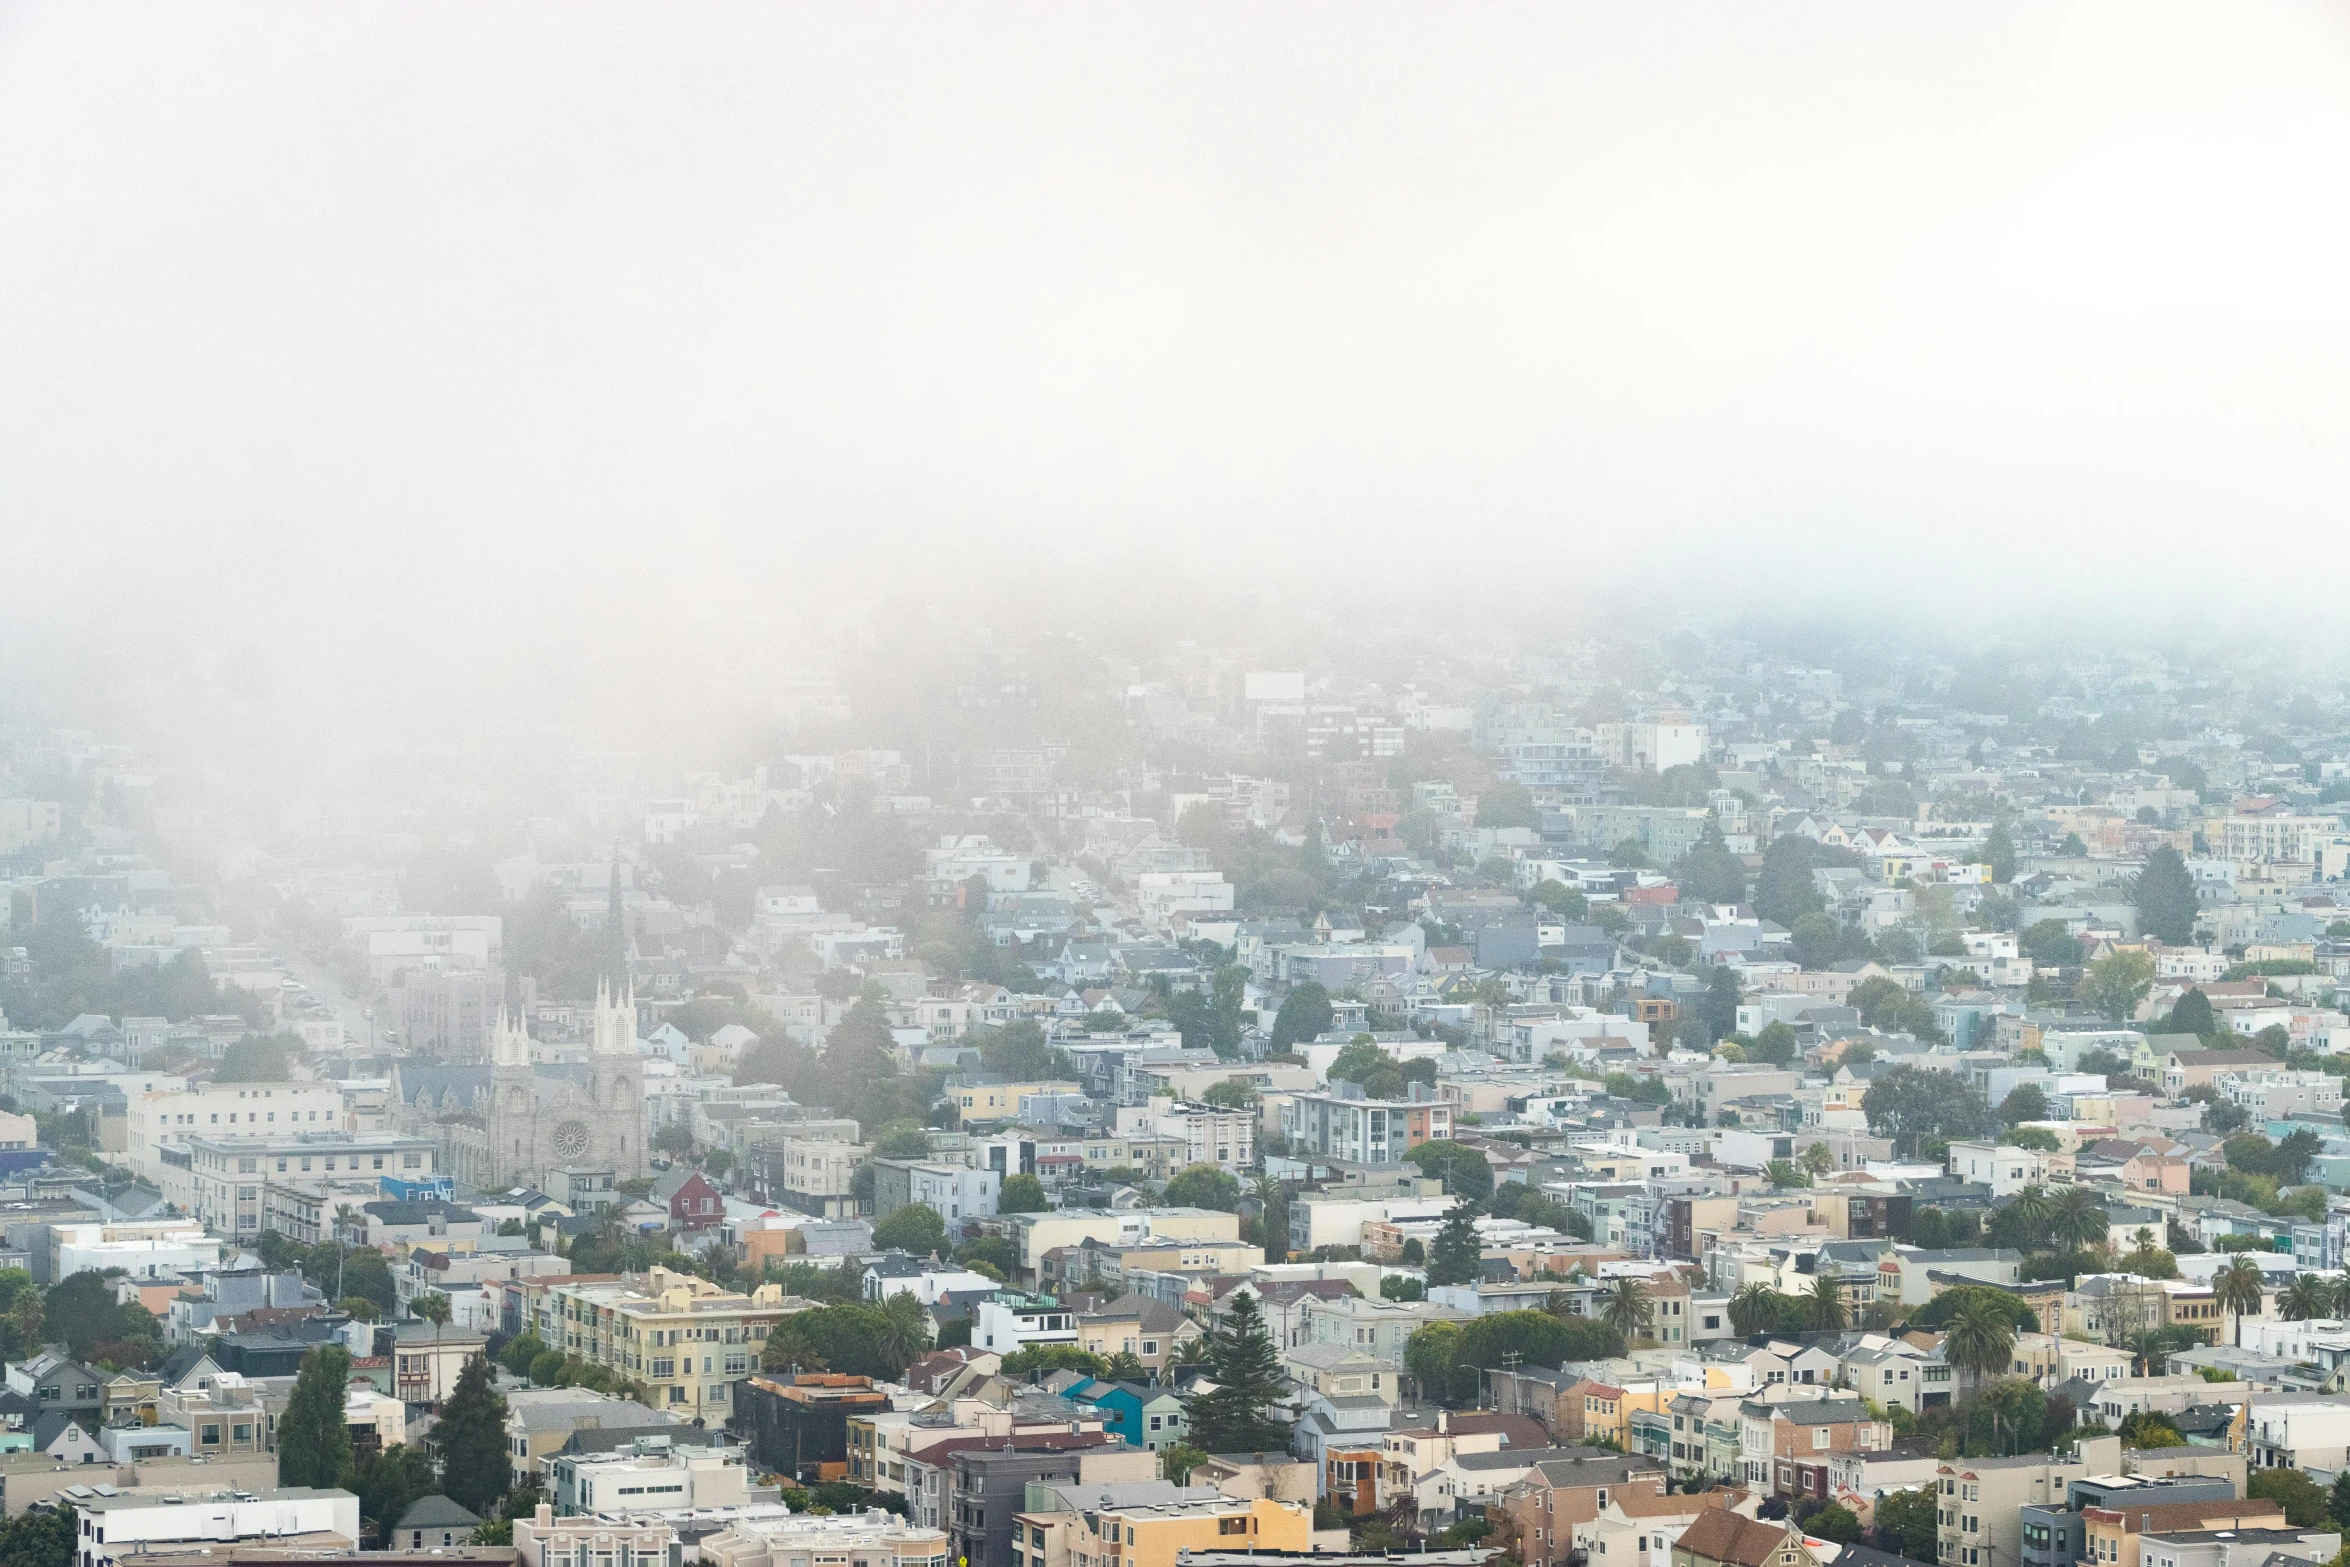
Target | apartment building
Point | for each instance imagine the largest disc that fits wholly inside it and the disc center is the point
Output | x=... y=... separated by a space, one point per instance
x=1565 y=1490
x=1037 y=1233
x=1366 y=1131
x=762 y=1537
x=1773 y=1436
x=651 y=1474
x=954 y=1191
x=1152 y=1529
x=687 y=1338
x=1223 y=1138
x=229 y=1112
x=814 y=1176
x=219 y=1181
x=1977 y=1522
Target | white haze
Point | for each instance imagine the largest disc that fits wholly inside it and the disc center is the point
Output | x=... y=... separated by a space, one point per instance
x=442 y=353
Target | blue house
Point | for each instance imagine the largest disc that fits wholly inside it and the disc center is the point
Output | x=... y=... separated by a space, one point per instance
x=1145 y=1417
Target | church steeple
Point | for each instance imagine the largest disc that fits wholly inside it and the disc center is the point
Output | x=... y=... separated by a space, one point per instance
x=616 y=929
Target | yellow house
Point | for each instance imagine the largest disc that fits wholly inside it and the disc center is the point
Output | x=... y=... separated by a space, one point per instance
x=1002 y=1101
x=1150 y=1535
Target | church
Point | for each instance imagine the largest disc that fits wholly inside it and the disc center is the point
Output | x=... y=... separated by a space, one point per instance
x=512 y=1121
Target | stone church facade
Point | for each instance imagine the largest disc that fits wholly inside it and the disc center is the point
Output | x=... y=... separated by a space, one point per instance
x=512 y=1122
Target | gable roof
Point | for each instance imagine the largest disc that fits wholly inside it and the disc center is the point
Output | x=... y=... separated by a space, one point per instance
x=436 y=1512
x=1723 y=1536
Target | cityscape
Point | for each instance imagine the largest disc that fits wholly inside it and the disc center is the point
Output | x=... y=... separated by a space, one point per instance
x=1182 y=787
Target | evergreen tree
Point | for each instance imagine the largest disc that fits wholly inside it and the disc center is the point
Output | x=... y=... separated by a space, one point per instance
x=1711 y=873
x=2165 y=897
x=2192 y=1015
x=1241 y=1413
x=313 y=1441
x=1999 y=854
x=472 y=1437
x=1455 y=1257
x=1783 y=892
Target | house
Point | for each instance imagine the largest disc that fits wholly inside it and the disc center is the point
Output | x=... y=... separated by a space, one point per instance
x=1147 y=1417
x=432 y=1523
x=1560 y=1491
x=1139 y=1325
x=68 y=1438
x=1722 y=1538
x=693 y=1203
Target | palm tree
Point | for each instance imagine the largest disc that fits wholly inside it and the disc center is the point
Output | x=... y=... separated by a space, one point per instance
x=1817 y=1160
x=2032 y=1209
x=2307 y=1297
x=2150 y=1346
x=905 y=1330
x=2078 y=1218
x=1783 y=1175
x=1754 y=1308
x=1629 y=1310
x=1980 y=1340
x=2235 y=1289
x=1825 y=1304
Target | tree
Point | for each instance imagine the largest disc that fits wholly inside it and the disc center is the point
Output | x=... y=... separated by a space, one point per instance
x=1776 y=1044
x=1204 y=1186
x=2117 y=982
x=2191 y=1014
x=1816 y=938
x=1176 y=1463
x=1629 y=1310
x=1784 y=892
x=1981 y=1340
x=2025 y=1103
x=1824 y=1305
x=256 y=1058
x=1021 y=1194
x=1906 y=1523
x=2078 y=1219
x=1234 y=1093
x=1753 y=1309
x=1456 y=1257
x=1462 y=1169
x=2339 y=1506
x=1834 y=1522
x=2235 y=1289
x=1817 y=1161
x=313 y=1442
x=1241 y=1413
x=1044 y=1359
x=1999 y=854
x=2305 y=1299
x=40 y=1536
x=1785 y=1176
x=472 y=1437
x=916 y=1229
x=390 y=1482
x=1304 y=1015
x=546 y=1367
x=1909 y=1104
x=433 y=1307
x=1718 y=1007
x=1430 y=1355
x=2037 y=1138
x=2165 y=898
x=2306 y=1504
x=520 y=1351
x=1711 y=873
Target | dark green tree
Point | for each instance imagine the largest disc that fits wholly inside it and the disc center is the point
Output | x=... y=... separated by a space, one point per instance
x=1455 y=1257
x=40 y=1536
x=2025 y=1103
x=2165 y=897
x=1999 y=854
x=1906 y=1523
x=313 y=1441
x=1910 y=1103
x=1711 y=873
x=1304 y=1015
x=1021 y=1194
x=475 y=1470
x=1242 y=1413
x=2191 y=1014
x=916 y=1228
x=1776 y=1045
x=1463 y=1169
x=256 y=1058
x=389 y=1483
x=1204 y=1186
x=1816 y=939
x=1783 y=891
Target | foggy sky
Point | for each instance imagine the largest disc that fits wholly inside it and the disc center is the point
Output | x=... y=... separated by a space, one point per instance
x=524 y=337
